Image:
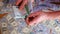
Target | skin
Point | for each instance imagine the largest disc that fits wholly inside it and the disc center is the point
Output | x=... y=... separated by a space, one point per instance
x=23 y=3
x=39 y=16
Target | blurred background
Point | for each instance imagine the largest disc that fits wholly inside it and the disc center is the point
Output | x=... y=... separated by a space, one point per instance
x=14 y=21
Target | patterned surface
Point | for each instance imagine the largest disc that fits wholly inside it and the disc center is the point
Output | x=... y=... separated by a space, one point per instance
x=10 y=25
x=45 y=5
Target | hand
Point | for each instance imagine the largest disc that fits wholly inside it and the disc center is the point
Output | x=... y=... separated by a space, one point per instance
x=37 y=17
x=21 y=3
x=33 y=17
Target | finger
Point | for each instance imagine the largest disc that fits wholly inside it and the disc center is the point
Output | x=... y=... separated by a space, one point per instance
x=18 y=1
x=30 y=19
x=32 y=16
x=27 y=21
x=35 y=14
x=23 y=4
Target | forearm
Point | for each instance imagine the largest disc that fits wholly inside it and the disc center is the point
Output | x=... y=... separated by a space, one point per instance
x=53 y=15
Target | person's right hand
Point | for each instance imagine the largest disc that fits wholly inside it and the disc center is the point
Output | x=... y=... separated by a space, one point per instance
x=34 y=18
x=37 y=17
